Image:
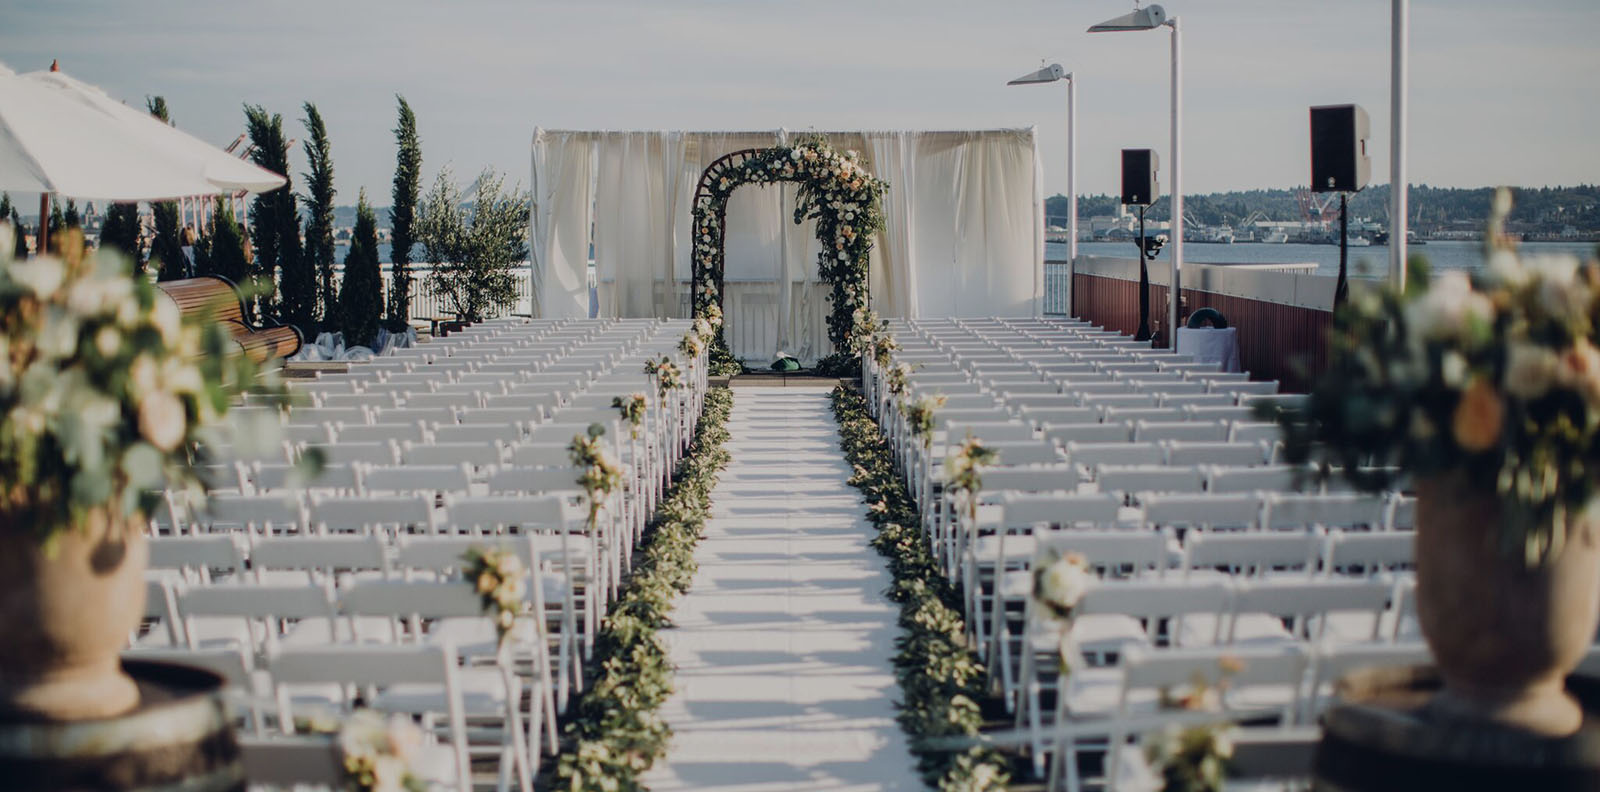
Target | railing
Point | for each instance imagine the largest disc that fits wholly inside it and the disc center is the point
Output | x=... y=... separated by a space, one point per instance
x=1057 y=280
x=429 y=303
x=1282 y=316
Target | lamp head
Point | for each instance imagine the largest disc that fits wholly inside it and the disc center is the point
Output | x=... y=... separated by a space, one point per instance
x=1147 y=18
x=1046 y=74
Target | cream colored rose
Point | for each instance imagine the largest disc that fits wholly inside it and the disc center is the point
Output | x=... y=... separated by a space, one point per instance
x=108 y=342
x=42 y=276
x=1445 y=310
x=1530 y=370
x=161 y=420
x=1579 y=369
x=165 y=316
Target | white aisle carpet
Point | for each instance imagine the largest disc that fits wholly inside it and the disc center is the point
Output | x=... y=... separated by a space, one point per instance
x=783 y=645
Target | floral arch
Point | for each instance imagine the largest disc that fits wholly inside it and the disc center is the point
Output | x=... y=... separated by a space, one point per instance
x=837 y=192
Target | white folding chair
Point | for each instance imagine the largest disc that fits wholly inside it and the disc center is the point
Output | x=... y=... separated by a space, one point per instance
x=432 y=672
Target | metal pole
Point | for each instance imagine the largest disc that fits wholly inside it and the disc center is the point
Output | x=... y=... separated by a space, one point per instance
x=1072 y=167
x=1341 y=289
x=44 y=225
x=1175 y=283
x=1143 y=333
x=1398 y=208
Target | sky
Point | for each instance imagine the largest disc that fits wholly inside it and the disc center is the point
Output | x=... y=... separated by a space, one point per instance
x=1502 y=92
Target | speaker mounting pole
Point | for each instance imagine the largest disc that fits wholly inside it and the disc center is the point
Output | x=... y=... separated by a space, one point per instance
x=1341 y=291
x=1143 y=333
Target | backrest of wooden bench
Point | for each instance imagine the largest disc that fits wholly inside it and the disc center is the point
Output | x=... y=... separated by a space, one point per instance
x=195 y=296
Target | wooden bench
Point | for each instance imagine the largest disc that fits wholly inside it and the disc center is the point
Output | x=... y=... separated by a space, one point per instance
x=216 y=296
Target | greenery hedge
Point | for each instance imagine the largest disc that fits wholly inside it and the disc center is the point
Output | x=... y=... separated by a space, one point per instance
x=942 y=679
x=615 y=734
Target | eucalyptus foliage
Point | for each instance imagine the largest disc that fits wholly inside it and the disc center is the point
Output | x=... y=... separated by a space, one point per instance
x=319 y=216
x=106 y=390
x=402 y=214
x=616 y=732
x=473 y=254
x=942 y=679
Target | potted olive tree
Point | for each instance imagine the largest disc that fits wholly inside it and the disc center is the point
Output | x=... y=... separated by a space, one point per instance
x=105 y=390
x=1484 y=389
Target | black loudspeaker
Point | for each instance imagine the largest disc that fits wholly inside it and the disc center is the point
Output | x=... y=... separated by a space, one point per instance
x=1339 y=161
x=1139 y=186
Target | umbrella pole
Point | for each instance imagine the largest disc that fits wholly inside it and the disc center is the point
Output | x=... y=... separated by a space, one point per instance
x=44 y=223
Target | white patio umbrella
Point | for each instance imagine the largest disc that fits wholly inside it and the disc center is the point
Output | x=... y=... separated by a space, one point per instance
x=61 y=136
x=224 y=171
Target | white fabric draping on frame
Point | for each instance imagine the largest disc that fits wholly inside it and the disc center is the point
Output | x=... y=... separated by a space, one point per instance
x=560 y=213
x=963 y=235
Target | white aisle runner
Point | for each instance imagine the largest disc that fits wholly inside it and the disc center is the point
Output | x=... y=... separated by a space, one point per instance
x=783 y=645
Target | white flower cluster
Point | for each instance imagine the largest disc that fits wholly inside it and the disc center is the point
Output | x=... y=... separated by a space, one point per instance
x=102 y=370
x=1060 y=581
x=498 y=578
x=380 y=754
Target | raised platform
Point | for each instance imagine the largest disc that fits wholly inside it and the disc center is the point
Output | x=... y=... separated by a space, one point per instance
x=781 y=379
x=1384 y=738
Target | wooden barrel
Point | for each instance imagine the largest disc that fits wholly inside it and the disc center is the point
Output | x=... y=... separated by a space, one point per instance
x=1382 y=737
x=179 y=737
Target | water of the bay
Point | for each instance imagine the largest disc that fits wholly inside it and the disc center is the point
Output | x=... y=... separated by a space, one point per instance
x=1372 y=261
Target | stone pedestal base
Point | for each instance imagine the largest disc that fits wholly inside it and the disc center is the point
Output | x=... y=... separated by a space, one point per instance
x=180 y=732
x=1388 y=736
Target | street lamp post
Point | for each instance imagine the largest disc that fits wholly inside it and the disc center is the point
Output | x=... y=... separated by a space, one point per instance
x=1398 y=209
x=1049 y=74
x=1150 y=18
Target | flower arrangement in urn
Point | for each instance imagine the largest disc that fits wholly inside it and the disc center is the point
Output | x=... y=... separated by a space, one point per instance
x=106 y=391
x=1484 y=390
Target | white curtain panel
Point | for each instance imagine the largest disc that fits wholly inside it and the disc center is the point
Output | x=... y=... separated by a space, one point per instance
x=894 y=275
x=978 y=234
x=635 y=203
x=559 y=219
x=963 y=233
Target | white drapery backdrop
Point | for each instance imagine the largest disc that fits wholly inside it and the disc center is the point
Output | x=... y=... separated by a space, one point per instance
x=963 y=235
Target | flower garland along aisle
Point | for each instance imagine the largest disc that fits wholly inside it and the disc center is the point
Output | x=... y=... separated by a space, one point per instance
x=614 y=733
x=940 y=677
x=838 y=193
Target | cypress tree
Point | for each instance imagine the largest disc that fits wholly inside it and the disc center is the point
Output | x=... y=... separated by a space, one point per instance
x=275 y=229
x=319 y=222
x=19 y=252
x=72 y=219
x=57 y=222
x=121 y=231
x=361 y=293
x=402 y=215
x=8 y=214
x=166 y=246
x=225 y=245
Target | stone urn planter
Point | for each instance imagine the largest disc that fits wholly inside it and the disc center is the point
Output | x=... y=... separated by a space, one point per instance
x=67 y=609
x=1504 y=634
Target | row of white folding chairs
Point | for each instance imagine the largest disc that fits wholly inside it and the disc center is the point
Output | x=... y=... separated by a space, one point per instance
x=409 y=670
x=287 y=595
x=1108 y=710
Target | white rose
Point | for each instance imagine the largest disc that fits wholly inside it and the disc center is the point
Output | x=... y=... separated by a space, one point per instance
x=97 y=295
x=1504 y=268
x=167 y=319
x=108 y=341
x=1530 y=370
x=58 y=337
x=42 y=276
x=1446 y=308
x=1065 y=581
x=161 y=420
